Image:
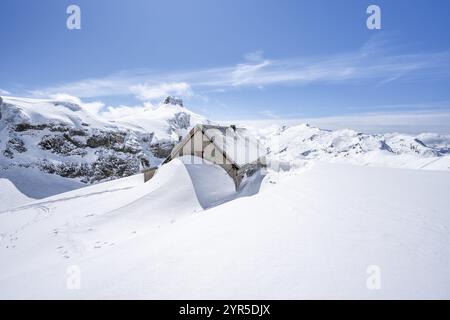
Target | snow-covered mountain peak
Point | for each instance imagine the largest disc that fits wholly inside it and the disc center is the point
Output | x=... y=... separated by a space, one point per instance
x=166 y=121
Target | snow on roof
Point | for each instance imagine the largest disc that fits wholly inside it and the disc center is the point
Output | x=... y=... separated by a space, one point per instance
x=237 y=143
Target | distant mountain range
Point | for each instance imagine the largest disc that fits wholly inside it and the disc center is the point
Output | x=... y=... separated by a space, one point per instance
x=305 y=142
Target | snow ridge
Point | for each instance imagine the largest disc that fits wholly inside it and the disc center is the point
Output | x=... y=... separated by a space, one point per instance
x=305 y=142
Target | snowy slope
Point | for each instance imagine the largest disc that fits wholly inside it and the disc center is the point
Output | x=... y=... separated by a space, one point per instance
x=10 y=196
x=309 y=233
x=74 y=144
x=37 y=184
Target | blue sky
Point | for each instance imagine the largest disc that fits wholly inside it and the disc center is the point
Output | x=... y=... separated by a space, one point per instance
x=233 y=59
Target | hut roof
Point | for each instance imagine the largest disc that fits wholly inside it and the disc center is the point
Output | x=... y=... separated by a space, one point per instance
x=237 y=144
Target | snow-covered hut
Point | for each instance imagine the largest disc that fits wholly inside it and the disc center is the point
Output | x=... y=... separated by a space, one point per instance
x=232 y=148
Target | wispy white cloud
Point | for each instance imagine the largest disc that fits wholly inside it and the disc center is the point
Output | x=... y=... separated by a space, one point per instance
x=254 y=56
x=435 y=121
x=149 y=92
x=95 y=87
x=4 y=92
x=269 y=114
x=94 y=107
x=122 y=111
x=405 y=122
x=65 y=97
x=375 y=62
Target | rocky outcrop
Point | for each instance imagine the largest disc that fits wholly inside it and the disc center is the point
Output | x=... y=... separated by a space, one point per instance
x=82 y=147
x=181 y=120
x=162 y=149
x=173 y=101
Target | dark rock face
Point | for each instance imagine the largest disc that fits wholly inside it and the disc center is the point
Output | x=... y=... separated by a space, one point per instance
x=110 y=165
x=162 y=149
x=61 y=144
x=105 y=139
x=8 y=153
x=14 y=145
x=53 y=127
x=21 y=127
x=182 y=120
x=118 y=153
x=17 y=145
x=92 y=154
x=104 y=168
x=174 y=101
x=67 y=170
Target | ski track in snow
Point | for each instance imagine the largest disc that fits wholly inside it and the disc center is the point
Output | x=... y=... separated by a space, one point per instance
x=42 y=204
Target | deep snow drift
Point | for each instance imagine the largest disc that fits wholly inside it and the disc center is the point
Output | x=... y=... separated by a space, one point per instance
x=9 y=195
x=310 y=232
